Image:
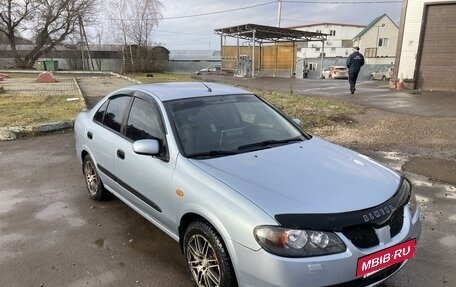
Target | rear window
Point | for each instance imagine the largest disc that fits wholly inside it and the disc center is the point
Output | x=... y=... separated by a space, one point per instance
x=341 y=69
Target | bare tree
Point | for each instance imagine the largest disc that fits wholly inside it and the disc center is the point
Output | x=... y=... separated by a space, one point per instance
x=47 y=22
x=136 y=19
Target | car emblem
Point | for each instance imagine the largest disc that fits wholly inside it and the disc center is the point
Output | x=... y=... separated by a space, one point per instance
x=378 y=213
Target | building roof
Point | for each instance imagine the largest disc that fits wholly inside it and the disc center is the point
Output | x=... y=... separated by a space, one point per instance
x=327 y=23
x=372 y=24
x=269 y=33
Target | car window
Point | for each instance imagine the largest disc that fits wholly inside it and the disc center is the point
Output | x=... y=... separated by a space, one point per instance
x=144 y=121
x=115 y=112
x=100 y=113
x=226 y=123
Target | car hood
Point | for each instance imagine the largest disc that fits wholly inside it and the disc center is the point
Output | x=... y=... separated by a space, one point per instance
x=313 y=176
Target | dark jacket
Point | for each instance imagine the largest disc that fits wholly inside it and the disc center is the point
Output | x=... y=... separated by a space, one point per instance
x=354 y=62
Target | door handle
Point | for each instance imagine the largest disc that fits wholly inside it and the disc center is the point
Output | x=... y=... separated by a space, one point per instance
x=120 y=154
x=89 y=135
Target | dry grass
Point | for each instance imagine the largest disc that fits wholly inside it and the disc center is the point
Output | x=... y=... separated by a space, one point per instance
x=313 y=112
x=32 y=110
x=162 y=77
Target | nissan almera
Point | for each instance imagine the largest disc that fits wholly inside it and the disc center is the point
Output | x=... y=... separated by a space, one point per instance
x=252 y=198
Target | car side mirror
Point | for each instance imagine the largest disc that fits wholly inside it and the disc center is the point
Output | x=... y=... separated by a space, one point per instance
x=147 y=147
x=297 y=121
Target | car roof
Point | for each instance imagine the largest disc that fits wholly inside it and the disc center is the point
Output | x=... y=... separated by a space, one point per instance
x=183 y=90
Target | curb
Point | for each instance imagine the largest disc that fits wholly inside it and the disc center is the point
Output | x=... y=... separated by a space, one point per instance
x=126 y=78
x=12 y=133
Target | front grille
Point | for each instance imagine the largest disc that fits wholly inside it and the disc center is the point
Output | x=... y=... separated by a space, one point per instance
x=380 y=275
x=364 y=236
x=396 y=222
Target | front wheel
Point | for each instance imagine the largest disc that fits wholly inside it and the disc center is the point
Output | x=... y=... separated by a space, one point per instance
x=93 y=181
x=207 y=258
x=384 y=79
x=372 y=78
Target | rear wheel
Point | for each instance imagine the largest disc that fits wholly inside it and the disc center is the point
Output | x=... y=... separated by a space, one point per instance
x=384 y=79
x=207 y=259
x=93 y=181
x=372 y=77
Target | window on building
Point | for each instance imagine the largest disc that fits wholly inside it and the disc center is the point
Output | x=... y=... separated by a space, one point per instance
x=333 y=49
x=332 y=32
x=317 y=49
x=318 y=31
x=347 y=43
x=370 y=52
x=383 y=42
x=312 y=66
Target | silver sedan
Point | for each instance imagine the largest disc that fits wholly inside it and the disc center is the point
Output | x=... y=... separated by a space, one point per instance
x=252 y=198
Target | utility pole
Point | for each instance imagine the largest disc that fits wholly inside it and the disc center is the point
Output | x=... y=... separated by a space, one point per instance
x=279 y=13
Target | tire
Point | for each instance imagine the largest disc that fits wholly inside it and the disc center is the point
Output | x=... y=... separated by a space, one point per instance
x=207 y=258
x=372 y=78
x=94 y=185
x=330 y=76
x=384 y=79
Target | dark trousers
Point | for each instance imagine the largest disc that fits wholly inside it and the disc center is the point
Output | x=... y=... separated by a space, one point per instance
x=352 y=77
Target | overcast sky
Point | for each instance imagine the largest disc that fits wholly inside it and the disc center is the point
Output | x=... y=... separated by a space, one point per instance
x=197 y=33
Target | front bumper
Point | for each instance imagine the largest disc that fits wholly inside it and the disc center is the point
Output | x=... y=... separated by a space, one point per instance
x=263 y=269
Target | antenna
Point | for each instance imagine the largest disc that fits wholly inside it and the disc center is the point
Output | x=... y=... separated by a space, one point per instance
x=208 y=89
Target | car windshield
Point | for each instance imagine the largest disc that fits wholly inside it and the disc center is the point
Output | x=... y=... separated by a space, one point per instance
x=226 y=125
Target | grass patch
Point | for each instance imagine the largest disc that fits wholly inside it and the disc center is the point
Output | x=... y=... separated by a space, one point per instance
x=32 y=110
x=162 y=77
x=313 y=112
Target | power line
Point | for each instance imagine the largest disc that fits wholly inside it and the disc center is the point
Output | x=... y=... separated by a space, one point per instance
x=259 y=5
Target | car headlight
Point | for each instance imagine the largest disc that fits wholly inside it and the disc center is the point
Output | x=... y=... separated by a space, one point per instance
x=298 y=243
x=406 y=191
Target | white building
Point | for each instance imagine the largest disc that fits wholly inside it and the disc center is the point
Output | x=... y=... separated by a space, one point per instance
x=378 y=41
x=339 y=43
x=426 y=54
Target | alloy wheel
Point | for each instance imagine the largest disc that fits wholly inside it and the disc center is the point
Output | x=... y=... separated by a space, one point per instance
x=203 y=262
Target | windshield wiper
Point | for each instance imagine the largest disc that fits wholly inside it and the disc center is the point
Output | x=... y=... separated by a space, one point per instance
x=212 y=153
x=270 y=143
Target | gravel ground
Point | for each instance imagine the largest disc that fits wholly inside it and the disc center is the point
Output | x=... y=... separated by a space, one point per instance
x=380 y=130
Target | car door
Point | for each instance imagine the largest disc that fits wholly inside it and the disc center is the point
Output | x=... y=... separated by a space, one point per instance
x=103 y=134
x=145 y=180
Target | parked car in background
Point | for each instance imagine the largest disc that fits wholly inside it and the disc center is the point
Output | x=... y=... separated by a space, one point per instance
x=252 y=199
x=383 y=74
x=211 y=70
x=335 y=72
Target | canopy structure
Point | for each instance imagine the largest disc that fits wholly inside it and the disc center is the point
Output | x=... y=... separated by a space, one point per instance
x=267 y=34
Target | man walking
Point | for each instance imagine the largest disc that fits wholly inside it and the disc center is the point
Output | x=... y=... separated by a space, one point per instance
x=354 y=63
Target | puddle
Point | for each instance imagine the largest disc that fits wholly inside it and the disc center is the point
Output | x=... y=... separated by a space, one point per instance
x=60 y=210
x=435 y=168
x=99 y=242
